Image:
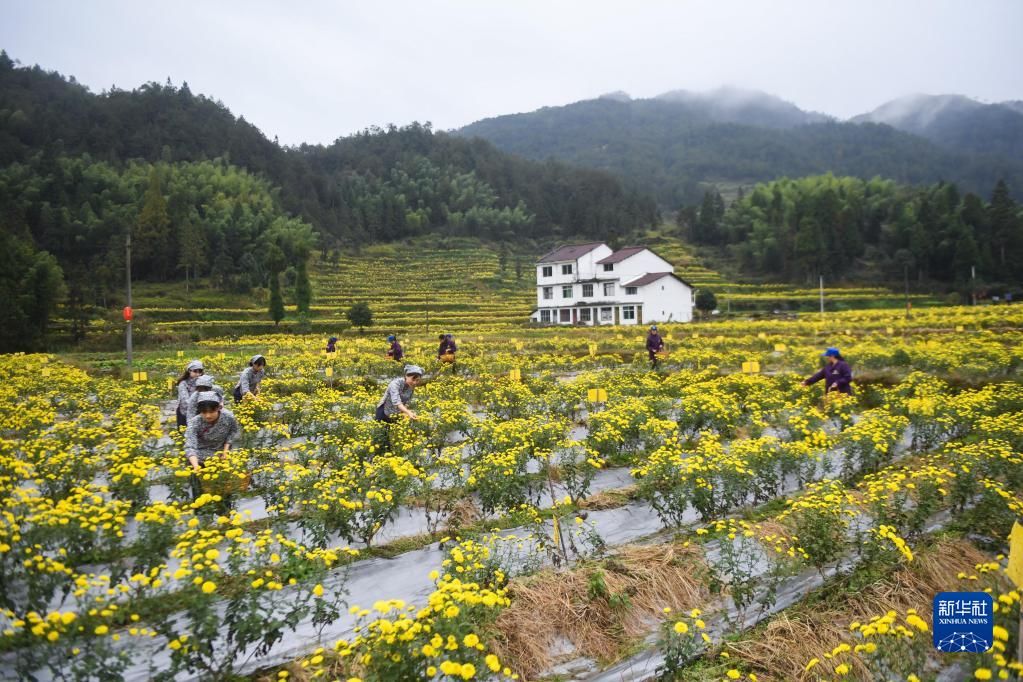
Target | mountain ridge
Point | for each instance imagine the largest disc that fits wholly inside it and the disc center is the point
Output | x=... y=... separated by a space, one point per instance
x=678 y=143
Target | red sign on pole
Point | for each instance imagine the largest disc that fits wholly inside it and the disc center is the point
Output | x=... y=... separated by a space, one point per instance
x=128 y=314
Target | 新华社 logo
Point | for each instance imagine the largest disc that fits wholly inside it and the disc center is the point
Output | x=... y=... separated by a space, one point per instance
x=963 y=622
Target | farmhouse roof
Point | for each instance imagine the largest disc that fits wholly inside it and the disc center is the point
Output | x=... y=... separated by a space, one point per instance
x=621 y=254
x=569 y=252
x=651 y=277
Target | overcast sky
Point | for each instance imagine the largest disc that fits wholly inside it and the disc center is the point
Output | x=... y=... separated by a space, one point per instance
x=310 y=71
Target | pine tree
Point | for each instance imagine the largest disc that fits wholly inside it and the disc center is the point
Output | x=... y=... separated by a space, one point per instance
x=191 y=249
x=152 y=232
x=707 y=223
x=1002 y=218
x=303 y=289
x=276 y=300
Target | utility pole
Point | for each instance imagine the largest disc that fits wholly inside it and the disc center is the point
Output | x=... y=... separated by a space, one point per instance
x=128 y=313
x=822 y=297
x=973 y=283
x=905 y=274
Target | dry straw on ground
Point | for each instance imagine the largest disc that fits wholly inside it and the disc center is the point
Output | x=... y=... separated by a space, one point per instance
x=781 y=650
x=599 y=607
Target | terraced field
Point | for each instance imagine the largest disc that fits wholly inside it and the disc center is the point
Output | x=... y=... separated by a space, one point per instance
x=426 y=288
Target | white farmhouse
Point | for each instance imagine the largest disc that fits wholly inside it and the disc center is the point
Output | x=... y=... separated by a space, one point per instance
x=590 y=284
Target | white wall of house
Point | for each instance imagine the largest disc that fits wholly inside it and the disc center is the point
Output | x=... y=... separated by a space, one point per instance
x=583 y=268
x=588 y=263
x=641 y=263
x=666 y=300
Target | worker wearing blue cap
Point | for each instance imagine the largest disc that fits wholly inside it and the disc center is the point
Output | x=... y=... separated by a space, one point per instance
x=654 y=345
x=836 y=373
x=395 y=352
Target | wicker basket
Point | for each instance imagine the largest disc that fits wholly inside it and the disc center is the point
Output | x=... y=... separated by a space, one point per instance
x=661 y=355
x=447 y=357
x=228 y=486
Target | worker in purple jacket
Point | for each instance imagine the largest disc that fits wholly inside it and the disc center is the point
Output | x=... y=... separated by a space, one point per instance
x=836 y=373
x=395 y=352
x=654 y=343
x=447 y=345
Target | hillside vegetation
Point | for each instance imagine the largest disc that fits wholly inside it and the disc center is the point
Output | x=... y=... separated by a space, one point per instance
x=797 y=230
x=205 y=194
x=675 y=147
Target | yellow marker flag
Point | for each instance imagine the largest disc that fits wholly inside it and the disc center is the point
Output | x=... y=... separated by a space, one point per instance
x=519 y=345
x=780 y=348
x=959 y=327
x=170 y=383
x=1015 y=568
x=593 y=349
x=751 y=367
x=890 y=330
x=181 y=353
x=329 y=371
x=515 y=374
x=761 y=335
x=596 y=395
x=696 y=335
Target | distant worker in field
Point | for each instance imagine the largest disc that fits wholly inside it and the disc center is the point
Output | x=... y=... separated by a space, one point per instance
x=250 y=378
x=836 y=373
x=203 y=384
x=398 y=396
x=395 y=352
x=332 y=344
x=447 y=349
x=654 y=345
x=186 y=387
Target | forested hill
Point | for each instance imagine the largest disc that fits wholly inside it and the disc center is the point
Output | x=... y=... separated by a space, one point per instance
x=671 y=145
x=206 y=195
x=846 y=227
x=956 y=122
x=382 y=184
